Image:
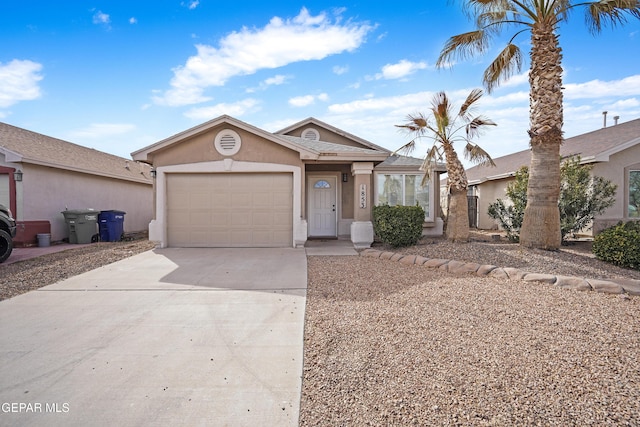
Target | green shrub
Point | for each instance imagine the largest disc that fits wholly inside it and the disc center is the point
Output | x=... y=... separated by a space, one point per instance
x=619 y=245
x=398 y=225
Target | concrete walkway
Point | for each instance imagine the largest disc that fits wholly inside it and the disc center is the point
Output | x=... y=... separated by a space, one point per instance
x=167 y=337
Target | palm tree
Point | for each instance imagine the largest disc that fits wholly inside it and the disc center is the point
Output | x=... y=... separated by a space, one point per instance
x=542 y=18
x=444 y=131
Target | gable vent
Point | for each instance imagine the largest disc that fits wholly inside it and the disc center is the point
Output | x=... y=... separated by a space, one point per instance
x=227 y=142
x=311 y=134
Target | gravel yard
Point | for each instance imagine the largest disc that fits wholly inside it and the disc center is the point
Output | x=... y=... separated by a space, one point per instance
x=394 y=344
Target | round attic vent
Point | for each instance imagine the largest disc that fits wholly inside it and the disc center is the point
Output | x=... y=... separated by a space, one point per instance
x=227 y=142
x=311 y=134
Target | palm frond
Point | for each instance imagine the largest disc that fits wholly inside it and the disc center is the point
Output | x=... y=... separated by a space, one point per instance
x=610 y=12
x=474 y=153
x=475 y=126
x=508 y=62
x=473 y=97
x=406 y=148
x=441 y=108
x=463 y=46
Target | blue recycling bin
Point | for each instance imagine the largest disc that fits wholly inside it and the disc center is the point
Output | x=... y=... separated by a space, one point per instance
x=111 y=225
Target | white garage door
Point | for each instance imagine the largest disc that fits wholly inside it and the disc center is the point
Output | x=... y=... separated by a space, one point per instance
x=230 y=210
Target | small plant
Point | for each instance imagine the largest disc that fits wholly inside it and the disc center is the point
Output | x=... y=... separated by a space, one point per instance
x=619 y=245
x=398 y=226
x=510 y=216
x=582 y=197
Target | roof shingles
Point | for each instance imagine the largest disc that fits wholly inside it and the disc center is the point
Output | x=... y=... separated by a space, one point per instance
x=40 y=149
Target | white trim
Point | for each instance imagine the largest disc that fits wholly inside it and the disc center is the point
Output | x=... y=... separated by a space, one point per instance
x=158 y=226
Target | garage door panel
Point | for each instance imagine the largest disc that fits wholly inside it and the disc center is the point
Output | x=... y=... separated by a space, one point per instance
x=230 y=210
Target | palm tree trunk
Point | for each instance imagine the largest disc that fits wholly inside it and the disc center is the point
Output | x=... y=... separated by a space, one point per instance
x=458 y=219
x=541 y=223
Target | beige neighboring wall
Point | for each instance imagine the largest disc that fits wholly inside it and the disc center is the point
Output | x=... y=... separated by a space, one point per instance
x=488 y=192
x=45 y=192
x=617 y=170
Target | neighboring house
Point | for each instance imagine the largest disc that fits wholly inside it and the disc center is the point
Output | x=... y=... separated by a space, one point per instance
x=613 y=151
x=226 y=183
x=42 y=176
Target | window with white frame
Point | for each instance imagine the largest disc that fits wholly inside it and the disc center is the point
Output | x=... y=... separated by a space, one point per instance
x=634 y=194
x=404 y=189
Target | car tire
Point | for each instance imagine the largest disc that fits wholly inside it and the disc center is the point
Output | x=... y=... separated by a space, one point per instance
x=6 y=245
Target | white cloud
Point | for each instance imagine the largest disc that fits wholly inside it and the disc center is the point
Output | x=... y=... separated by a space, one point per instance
x=400 y=70
x=100 y=18
x=100 y=130
x=191 y=4
x=628 y=86
x=133 y=20
x=276 y=80
x=235 y=109
x=340 y=70
x=303 y=101
x=19 y=82
x=280 y=42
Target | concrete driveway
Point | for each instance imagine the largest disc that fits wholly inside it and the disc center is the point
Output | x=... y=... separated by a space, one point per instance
x=197 y=337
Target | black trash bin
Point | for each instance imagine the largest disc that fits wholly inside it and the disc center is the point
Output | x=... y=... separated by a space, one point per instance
x=111 y=225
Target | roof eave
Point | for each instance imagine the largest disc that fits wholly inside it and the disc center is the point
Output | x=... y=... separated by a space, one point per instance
x=143 y=154
x=86 y=171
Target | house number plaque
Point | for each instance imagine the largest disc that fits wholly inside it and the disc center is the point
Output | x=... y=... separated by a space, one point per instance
x=363 y=196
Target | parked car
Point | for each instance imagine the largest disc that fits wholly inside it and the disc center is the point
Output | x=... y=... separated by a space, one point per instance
x=7 y=232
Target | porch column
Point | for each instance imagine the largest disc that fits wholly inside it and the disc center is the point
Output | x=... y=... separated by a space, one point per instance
x=362 y=227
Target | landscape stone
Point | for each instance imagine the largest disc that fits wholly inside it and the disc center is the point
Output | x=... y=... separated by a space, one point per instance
x=396 y=257
x=469 y=267
x=371 y=253
x=409 y=260
x=485 y=269
x=539 y=277
x=386 y=255
x=498 y=273
x=605 y=286
x=630 y=286
x=435 y=262
x=421 y=260
x=451 y=266
x=575 y=283
x=514 y=273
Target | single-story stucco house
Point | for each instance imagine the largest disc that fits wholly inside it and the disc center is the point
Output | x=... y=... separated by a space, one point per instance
x=42 y=176
x=613 y=151
x=226 y=183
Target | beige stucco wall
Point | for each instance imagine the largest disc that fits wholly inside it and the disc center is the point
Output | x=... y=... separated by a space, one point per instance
x=200 y=148
x=326 y=135
x=45 y=192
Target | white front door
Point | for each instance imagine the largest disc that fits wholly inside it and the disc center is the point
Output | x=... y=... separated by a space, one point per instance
x=322 y=191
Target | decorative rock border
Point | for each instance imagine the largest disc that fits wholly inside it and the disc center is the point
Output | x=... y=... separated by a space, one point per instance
x=613 y=286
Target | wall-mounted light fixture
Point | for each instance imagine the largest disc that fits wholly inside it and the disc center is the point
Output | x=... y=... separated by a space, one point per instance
x=345 y=177
x=153 y=173
x=17 y=175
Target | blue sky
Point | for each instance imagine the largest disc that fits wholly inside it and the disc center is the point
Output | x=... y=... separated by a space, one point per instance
x=120 y=75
